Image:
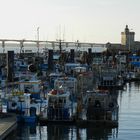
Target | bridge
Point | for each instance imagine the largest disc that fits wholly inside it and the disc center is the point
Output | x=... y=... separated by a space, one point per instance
x=54 y=44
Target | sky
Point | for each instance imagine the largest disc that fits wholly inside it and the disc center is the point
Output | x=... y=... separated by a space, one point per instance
x=95 y=21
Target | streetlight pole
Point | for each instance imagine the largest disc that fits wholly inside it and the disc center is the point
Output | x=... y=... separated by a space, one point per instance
x=38 y=39
x=129 y=41
x=38 y=33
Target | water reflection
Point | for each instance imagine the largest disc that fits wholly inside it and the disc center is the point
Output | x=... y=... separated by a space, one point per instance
x=63 y=132
x=101 y=133
x=24 y=131
x=58 y=132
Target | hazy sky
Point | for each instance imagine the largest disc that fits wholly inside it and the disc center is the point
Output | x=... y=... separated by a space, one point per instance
x=98 y=21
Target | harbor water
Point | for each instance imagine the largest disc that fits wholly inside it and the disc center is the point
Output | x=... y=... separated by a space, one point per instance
x=128 y=129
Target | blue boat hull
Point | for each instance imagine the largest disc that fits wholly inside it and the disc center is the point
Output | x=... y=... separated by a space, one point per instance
x=26 y=119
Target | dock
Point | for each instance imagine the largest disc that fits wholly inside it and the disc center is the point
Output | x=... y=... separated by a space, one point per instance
x=7 y=125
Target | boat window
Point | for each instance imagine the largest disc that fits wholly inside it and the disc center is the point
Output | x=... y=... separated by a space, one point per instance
x=89 y=100
x=64 y=100
x=55 y=103
x=14 y=104
x=111 y=105
x=60 y=100
x=97 y=103
x=28 y=88
x=50 y=100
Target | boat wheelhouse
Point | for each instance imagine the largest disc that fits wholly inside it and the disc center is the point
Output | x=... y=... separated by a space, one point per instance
x=69 y=67
x=69 y=83
x=109 y=79
x=60 y=106
x=101 y=106
x=53 y=76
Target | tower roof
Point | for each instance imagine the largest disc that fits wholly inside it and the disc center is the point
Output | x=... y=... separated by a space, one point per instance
x=126 y=29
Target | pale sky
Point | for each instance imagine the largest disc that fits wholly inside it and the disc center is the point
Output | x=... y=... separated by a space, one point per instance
x=97 y=21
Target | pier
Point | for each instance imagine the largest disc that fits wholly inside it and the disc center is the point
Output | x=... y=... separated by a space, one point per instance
x=7 y=125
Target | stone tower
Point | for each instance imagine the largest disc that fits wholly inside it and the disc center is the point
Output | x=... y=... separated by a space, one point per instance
x=127 y=38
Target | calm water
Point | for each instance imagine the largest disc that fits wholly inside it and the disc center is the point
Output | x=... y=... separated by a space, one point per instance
x=129 y=123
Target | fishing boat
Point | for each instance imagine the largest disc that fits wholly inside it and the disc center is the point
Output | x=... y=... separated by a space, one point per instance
x=26 y=112
x=109 y=79
x=131 y=76
x=24 y=99
x=101 y=107
x=3 y=103
x=60 y=107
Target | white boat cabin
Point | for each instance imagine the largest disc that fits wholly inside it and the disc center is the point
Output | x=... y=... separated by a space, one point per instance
x=30 y=86
x=69 y=67
x=99 y=98
x=67 y=83
x=58 y=98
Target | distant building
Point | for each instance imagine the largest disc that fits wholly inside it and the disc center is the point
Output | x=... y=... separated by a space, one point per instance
x=128 y=38
x=137 y=45
x=134 y=62
x=115 y=47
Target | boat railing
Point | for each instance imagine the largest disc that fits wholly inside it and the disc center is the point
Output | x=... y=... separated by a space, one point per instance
x=56 y=105
x=26 y=111
x=58 y=114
